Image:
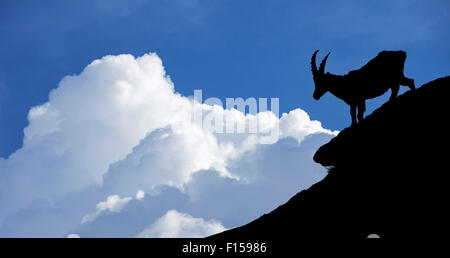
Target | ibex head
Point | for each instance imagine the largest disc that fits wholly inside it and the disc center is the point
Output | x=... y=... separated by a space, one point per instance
x=319 y=76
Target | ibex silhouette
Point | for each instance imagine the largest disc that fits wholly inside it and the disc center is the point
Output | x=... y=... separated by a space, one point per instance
x=383 y=72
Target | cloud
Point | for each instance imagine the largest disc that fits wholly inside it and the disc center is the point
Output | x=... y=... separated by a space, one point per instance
x=73 y=236
x=135 y=216
x=140 y=195
x=113 y=204
x=175 y=224
x=270 y=175
x=298 y=125
x=119 y=127
x=90 y=121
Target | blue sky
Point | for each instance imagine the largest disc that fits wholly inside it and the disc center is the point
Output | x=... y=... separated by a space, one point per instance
x=87 y=155
x=227 y=48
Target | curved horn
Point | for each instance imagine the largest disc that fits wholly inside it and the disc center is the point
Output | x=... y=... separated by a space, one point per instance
x=313 y=63
x=322 y=64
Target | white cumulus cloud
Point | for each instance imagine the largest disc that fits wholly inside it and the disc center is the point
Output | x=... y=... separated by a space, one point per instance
x=175 y=224
x=90 y=121
x=140 y=195
x=113 y=203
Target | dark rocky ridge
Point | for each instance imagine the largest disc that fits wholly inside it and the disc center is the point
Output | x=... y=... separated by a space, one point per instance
x=387 y=177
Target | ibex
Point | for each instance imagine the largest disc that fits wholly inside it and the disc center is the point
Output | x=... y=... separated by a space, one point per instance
x=383 y=72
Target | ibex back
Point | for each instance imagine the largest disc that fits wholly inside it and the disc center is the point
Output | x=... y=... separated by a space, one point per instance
x=383 y=72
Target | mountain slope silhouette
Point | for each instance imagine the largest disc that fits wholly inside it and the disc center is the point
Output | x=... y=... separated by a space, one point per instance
x=387 y=177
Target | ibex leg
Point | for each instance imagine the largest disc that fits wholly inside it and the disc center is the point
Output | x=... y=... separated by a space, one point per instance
x=407 y=82
x=394 y=90
x=353 y=114
x=361 y=109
